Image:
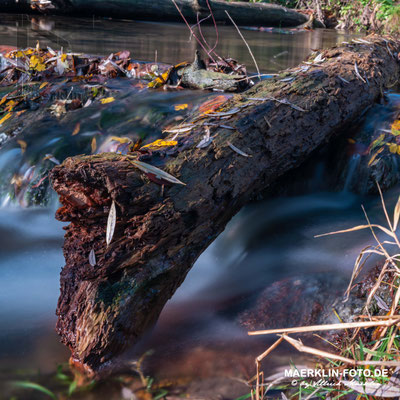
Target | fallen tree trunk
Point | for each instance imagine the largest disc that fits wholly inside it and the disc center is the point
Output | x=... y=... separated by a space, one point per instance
x=260 y=14
x=107 y=304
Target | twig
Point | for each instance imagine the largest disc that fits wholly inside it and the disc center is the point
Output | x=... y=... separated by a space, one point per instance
x=247 y=45
x=327 y=327
x=191 y=30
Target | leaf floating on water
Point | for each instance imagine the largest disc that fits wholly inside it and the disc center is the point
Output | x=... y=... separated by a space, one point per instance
x=107 y=100
x=93 y=145
x=23 y=145
x=235 y=149
x=76 y=129
x=92 y=258
x=158 y=173
x=112 y=219
x=180 y=107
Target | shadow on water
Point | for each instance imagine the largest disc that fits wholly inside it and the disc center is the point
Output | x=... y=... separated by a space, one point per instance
x=198 y=334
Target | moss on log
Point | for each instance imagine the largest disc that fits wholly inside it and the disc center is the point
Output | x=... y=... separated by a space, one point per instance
x=105 y=308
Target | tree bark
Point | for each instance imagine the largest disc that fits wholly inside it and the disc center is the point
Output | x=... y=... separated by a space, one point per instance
x=104 y=309
x=243 y=13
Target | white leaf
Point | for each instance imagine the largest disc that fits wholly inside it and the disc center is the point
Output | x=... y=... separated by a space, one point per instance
x=156 y=171
x=235 y=149
x=206 y=141
x=92 y=258
x=112 y=218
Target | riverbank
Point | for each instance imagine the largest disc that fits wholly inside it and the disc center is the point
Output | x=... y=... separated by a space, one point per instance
x=379 y=16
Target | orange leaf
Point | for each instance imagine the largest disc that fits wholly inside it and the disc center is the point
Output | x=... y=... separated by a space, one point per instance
x=213 y=104
x=23 y=145
x=76 y=129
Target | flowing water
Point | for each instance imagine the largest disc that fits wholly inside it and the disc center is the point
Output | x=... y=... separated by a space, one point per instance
x=268 y=241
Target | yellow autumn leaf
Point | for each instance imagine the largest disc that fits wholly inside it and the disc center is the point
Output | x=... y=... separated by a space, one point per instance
x=107 y=100
x=23 y=145
x=3 y=100
x=43 y=85
x=5 y=118
x=36 y=63
x=393 y=148
x=94 y=145
x=372 y=159
x=161 y=143
x=396 y=125
x=160 y=80
x=179 y=107
x=10 y=105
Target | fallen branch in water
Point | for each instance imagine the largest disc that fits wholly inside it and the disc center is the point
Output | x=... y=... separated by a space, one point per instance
x=159 y=233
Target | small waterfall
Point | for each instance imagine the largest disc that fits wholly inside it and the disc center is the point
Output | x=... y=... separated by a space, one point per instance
x=352 y=167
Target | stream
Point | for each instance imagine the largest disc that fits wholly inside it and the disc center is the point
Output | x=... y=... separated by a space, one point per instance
x=198 y=337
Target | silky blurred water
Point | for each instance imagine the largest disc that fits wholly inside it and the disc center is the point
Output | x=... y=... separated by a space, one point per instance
x=266 y=242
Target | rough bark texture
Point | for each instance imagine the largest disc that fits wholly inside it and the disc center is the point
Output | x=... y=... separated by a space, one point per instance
x=159 y=235
x=242 y=13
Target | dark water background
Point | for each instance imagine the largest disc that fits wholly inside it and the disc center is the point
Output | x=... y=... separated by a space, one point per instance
x=266 y=242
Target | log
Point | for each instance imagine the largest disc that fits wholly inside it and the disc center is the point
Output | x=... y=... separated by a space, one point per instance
x=161 y=230
x=260 y=14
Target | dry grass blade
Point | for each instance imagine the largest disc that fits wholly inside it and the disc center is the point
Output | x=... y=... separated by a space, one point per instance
x=396 y=215
x=358 y=228
x=247 y=45
x=384 y=207
x=158 y=173
x=298 y=345
x=356 y=270
x=112 y=219
x=270 y=349
x=327 y=327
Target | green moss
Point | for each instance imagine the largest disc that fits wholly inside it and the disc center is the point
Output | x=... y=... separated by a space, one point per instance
x=112 y=294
